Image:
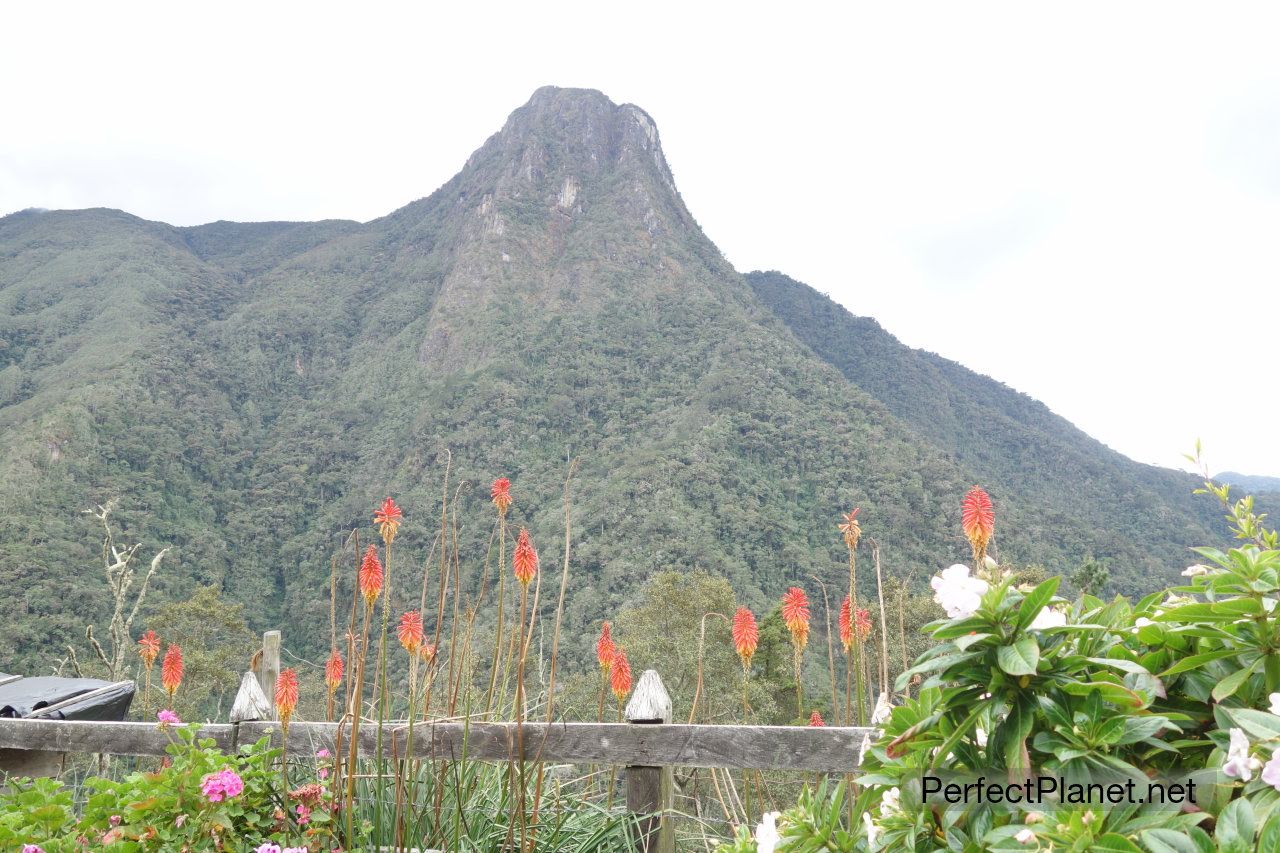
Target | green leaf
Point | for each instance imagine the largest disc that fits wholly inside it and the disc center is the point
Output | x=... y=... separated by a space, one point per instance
x=1235 y=822
x=1270 y=837
x=1035 y=602
x=1229 y=685
x=1259 y=724
x=1218 y=611
x=1021 y=657
x=1197 y=661
x=1168 y=841
x=1114 y=843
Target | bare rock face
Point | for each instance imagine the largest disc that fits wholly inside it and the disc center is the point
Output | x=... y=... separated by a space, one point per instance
x=570 y=198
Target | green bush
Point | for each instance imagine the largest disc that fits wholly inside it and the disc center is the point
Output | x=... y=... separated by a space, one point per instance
x=1184 y=684
x=179 y=806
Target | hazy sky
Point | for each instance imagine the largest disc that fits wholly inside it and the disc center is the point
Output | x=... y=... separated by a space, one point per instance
x=1082 y=202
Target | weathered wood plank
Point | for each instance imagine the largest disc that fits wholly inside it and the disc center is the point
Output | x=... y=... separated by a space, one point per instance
x=97 y=736
x=829 y=749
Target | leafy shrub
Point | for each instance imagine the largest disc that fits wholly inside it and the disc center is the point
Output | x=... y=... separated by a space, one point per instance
x=1184 y=684
x=199 y=800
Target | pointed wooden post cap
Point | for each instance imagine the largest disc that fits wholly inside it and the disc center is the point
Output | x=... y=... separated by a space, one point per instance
x=251 y=703
x=650 y=702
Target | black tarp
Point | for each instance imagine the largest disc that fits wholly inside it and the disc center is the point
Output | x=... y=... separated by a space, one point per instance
x=20 y=698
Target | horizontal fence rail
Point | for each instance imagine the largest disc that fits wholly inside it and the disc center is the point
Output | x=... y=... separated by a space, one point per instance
x=830 y=749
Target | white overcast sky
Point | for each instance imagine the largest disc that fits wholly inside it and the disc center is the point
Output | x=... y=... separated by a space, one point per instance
x=1081 y=200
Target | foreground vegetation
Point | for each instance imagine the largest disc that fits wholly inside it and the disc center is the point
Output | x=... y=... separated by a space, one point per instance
x=1019 y=682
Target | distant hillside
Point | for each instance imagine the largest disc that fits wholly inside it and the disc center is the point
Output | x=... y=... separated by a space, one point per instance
x=1250 y=482
x=251 y=390
x=1069 y=493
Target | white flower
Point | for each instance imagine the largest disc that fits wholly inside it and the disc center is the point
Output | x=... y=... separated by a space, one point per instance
x=891 y=802
x=1024 y=836
x=1271 y=773
x=957 y=592
x=767 y=837
x=981 y=737
x=873 y=831
x=1048 y=618
x=1195 y=571
x=1275 y=703
x=1240 y=764
x=862 y=749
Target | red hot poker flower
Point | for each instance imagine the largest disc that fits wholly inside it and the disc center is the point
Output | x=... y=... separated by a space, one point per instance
x=387 y=517
x=620 y=674
x=370 y=576
x=333 y=669
x=286 y=694
x=525 y=560
x=815 y=720
x=745 y=635
x=862 y=624
x=846 y=624
x=410 y=632
x=795 y=613
x=149 y=649
x=850 y=529
x=605 y=648
x=171 y=669
x=501 y=494
x=977 y=517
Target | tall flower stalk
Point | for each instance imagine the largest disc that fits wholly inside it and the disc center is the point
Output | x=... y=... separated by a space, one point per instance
x=977 y=517
x=851 y=531
x=746 y=636
x=148 y=650
x=369 y=581
x=500 y=495
x=171 y=671
x=605 y=652
x=524 y=565
x=286 y=700
x=387 y=518
x=795 y=613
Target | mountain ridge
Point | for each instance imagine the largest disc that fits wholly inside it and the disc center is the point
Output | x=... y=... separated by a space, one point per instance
x=266 y=382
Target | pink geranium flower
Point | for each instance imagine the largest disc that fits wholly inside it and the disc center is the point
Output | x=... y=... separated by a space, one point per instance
x=168 y=718
x=224 y=783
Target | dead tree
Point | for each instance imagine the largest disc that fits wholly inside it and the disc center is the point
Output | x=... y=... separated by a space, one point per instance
x=116 y=562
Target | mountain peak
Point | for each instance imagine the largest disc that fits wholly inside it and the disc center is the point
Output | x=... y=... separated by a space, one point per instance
x=563 y=136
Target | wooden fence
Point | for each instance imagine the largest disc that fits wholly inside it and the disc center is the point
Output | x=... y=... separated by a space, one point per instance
x=649 y=745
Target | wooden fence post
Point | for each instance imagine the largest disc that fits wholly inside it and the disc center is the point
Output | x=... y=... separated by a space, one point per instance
x=650 y=790
x=269 y=669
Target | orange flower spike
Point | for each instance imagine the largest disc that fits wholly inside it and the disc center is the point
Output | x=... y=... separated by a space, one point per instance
x=977 y=517
x=333 y=670
x=370 y=576
x=286 y=694
x=862 y=624
x=605 y=648
x=501 y=494
x=387 y=517
x=795 y=613
x=846 y=624
x=745 y=635
x=815 y=720
x=525 y=560
x=149 y=649
x=410 y=632
x=428 y=652
x=171 y=669
x=850 y=529
x=620 y=674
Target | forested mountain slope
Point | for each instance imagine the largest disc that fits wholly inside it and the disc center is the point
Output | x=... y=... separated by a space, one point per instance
x=250 y=391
